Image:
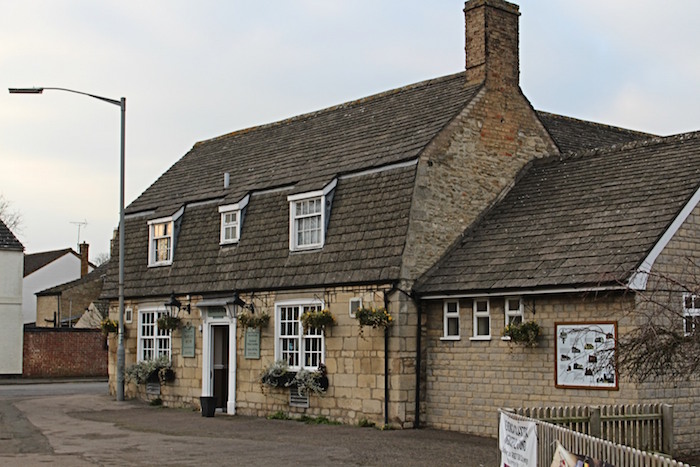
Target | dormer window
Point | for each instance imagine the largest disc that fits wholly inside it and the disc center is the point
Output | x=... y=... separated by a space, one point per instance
x=231 y=220
x=229 y=227
x=308 y=218
x=307 y=223
x=160 y=235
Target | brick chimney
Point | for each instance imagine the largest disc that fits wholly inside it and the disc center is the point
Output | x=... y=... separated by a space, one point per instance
x=491 y=45
x=84 y=248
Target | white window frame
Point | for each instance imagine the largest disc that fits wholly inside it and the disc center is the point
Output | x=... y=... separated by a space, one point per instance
x=448 y=315
x=510 y=314
x=296 y=199
x=230 y=209
x=303 y=342
x=128 y=315
x=481 y=315
x=152 y=342
x=355 y=304
x=691 y=313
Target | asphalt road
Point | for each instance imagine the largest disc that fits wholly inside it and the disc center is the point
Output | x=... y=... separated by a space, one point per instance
x=81 y=425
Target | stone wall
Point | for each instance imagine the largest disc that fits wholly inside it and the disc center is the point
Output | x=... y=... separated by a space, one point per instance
x=673 y=271
x=466 y=168
x=64 y=352
x=355 y=363
x=466 y=380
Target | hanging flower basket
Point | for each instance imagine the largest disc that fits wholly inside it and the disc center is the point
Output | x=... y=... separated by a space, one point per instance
x=374 y=317
x=317 y=319
x=527 y=333
x=249 y=320
x=109 y=325
x=168 y=323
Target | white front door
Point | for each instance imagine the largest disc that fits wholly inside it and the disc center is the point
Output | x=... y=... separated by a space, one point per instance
x=219 y=356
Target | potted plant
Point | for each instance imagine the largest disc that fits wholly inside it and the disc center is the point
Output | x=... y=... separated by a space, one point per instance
x=168 y=322
x=250 y=320
x=158 y=370
x=277 y=375
x=526 y=333
x=109 y=325
x=374 y=317
x=311 y=381
x=318 y=319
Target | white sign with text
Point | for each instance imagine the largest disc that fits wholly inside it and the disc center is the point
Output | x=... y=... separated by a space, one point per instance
x=518 y=442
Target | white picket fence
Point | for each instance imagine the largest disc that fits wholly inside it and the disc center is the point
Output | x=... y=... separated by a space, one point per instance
x=615 y=454
x=647 y=427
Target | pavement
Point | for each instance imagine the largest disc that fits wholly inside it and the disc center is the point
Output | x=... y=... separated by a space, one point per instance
x=93 y=429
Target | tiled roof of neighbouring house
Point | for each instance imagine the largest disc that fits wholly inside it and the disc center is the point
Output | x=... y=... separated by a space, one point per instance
x=8 y=241
x=35 y=261
x=95 y=274
x=581 y=220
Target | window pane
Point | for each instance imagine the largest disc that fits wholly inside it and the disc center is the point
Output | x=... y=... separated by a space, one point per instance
x=482 y=306
x=517 y=319
x=452 y=327
x=482 y=324
x=452 y=307
x=513 y=305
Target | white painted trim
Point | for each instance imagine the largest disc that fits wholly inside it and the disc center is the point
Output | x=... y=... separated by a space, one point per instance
x=207 y=350
x=305 y=195
x=399 y=165
x=525 y=292
x=638 y=280
x=242 y=203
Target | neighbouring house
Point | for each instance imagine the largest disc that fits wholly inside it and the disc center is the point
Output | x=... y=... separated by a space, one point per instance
x=11 y=264
x=48 y=269
x=65 y=305
x=452 y=204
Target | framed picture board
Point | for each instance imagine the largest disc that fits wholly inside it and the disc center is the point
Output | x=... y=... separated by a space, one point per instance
x=585 y=355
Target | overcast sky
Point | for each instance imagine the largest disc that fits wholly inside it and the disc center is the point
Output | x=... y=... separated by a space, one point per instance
x=195 y=70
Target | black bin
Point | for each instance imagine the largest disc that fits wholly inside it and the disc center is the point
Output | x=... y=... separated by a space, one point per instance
x=208 y=405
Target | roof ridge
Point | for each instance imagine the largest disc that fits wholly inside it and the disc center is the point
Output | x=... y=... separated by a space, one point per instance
x=590 y=122
x=620 y=147
x=347 y=104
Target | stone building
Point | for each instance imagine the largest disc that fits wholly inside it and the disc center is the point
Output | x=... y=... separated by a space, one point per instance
x=347 y=208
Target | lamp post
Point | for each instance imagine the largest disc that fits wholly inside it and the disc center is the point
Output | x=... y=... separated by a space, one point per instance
x=122 y=105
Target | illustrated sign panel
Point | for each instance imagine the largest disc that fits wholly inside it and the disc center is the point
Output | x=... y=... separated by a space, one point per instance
x=585 y=355
x=188 y=341
x=252 y=343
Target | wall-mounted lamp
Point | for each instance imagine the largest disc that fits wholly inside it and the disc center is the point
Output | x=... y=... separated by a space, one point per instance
x=174 y=306
x=238 y=301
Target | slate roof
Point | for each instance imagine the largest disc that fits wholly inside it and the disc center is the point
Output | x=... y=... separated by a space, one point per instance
x=309 y=150
x=35 y=261
x=572 y=134
x=8 y=241
x=369 y=217
x=582 y=220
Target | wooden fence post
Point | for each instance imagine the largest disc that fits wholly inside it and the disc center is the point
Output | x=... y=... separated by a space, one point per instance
x=594 y=427
x=667 y=417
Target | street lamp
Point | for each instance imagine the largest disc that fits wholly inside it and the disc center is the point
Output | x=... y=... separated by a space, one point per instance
x=122 y=104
